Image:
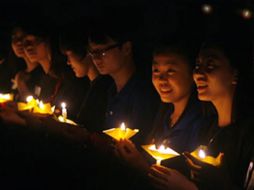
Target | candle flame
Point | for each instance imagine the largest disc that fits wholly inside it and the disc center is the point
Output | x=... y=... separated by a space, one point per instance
x=63 y=105
x=122 y=126
x=29 y=98
x=201 y=154
x=162 y=149
x=41 y=105
x=5 y=96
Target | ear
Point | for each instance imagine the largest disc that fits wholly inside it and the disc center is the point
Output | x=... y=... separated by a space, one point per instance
x=235 y=77
x=127 y=48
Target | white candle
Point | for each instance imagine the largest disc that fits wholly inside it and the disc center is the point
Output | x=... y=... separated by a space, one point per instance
x=122 y=126
x=64 y=111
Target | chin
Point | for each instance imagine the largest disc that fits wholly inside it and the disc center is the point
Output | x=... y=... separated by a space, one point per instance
x=203 y=97
x=165 y=100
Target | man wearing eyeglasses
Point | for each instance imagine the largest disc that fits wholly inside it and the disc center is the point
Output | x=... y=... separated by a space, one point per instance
x=131 y=99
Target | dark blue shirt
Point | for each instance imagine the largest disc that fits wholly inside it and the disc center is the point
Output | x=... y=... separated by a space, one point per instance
x=135 y=105
x=183 y=135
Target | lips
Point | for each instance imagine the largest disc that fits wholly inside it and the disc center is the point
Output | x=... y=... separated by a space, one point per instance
x=202 y=87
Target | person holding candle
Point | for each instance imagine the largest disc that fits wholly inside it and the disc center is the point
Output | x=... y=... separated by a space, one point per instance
x=180 y=116
x=56 y=84
x=26 y=79
x=11 y=59
x=220 y=76
x=131 y=98
x=91 y=113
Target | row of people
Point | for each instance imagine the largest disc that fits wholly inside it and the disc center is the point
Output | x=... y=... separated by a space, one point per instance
x=124 y=96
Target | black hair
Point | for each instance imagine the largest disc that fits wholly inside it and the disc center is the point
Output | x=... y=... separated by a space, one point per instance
x=76 y=41
x=237 y=49
x=101 y=32
x=181 y=47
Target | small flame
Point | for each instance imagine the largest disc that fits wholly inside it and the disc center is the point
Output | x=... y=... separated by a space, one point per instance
x=41 y=105
x=29 y=98
x=5 y=96
x=122 y=126
x=162 y=148
x=201 y=154
x=63 y=105
x=53 y=108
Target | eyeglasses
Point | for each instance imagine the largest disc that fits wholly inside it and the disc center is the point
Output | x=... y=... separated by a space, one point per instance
x=98 y=54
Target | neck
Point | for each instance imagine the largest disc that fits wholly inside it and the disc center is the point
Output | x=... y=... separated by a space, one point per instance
x=122 y=76
x=179 y=108
x=46 y=63
x=224 y=107
x=30 y=66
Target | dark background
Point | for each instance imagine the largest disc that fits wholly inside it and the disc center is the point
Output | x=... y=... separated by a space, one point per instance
x=150 y=19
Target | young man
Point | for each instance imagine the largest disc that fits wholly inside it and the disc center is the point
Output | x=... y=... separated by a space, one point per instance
x=131 y=98
x=92 y=110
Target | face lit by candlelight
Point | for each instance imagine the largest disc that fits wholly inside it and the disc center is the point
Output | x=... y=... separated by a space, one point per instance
x=36 y=49
x=109 y=57
x=17 y=42
x=80 y=65
x=172 y=77
x=213 y=75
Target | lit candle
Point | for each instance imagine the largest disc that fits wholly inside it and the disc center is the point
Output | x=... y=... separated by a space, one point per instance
x=201 y=154
x=64 y=110
x=6 y=97
x=41 y=105
x=29 y=99
x=121 y=132
x=122 y=126
x=160 y=153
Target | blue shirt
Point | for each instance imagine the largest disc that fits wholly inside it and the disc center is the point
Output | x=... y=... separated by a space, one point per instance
x=183 y=136
x=135 y=105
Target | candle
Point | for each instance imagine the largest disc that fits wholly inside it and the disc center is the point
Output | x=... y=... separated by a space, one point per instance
x=122 y=126
x=29 y=99
x=121 y=132
x=31 y=103
x=64 y=110
x=201 y=154
x=61 y=119
x=161 y=153
x=6 y=97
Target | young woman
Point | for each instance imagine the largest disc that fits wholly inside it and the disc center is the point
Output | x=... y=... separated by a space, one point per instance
x=219 y=78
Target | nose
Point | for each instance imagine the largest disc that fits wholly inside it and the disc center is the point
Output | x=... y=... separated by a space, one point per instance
x=199 y=76
x=163 y=77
